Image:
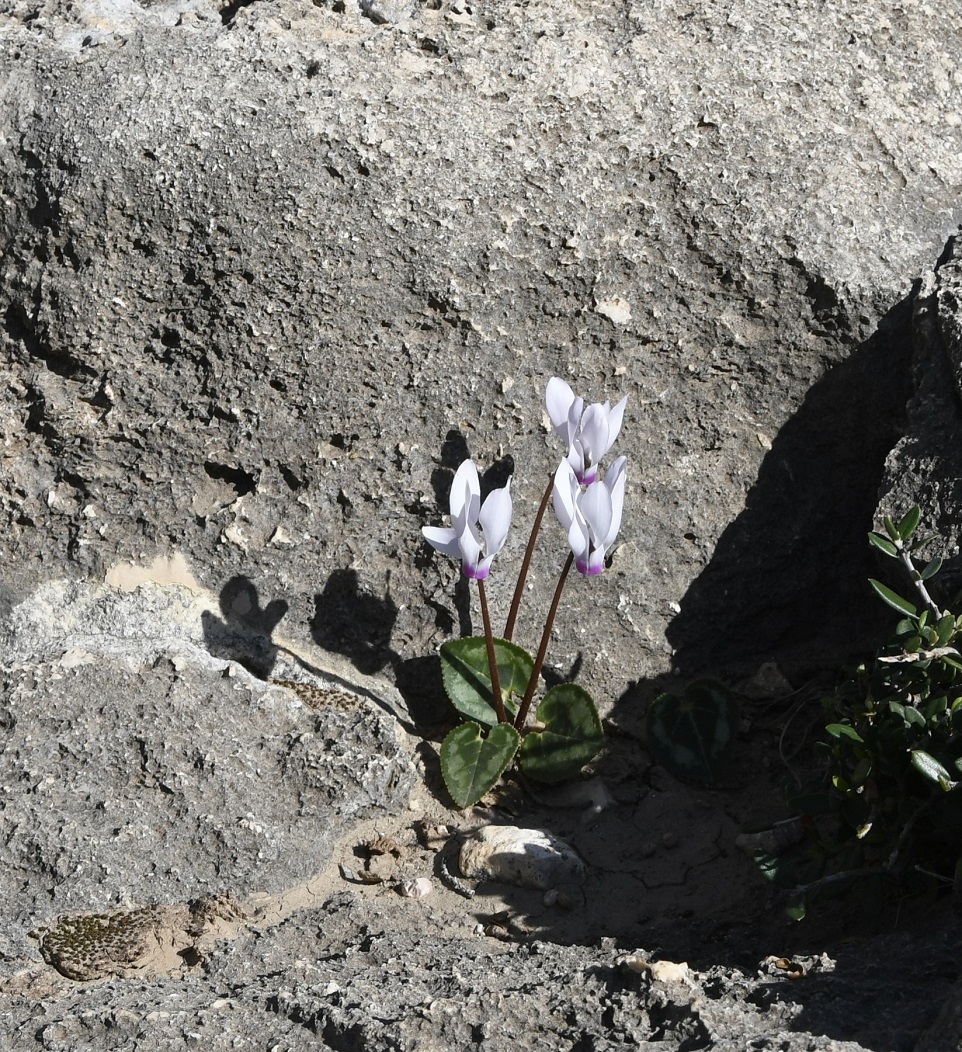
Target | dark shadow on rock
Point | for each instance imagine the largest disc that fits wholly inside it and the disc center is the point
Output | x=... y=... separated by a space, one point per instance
x=787 y=583
x=787 y=580
x=349 y=621
x=885 y=993
x=419 y=682
x=244 y=634
x=352 y=622
x=553 y=676
x=926 y=466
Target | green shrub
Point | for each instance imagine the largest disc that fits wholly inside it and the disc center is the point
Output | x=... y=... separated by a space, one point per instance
x=893 y=739
x=895 y=730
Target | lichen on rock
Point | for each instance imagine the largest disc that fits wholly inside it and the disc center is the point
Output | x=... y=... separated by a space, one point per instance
x=96 y=945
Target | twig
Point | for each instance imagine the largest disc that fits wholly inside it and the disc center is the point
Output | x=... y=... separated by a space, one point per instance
x=935 y=876
x=838 y=878
x=916 y=579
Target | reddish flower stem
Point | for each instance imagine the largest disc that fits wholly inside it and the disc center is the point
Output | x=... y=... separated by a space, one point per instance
x=492 y=659
x=528 y=552
x=543 y=649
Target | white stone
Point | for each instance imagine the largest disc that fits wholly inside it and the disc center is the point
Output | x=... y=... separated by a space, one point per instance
x=528 y=858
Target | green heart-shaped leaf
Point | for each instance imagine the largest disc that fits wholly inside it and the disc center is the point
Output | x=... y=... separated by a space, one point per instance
x=692 y=735
x=572 y=735
x=471 y=764
x=467 y=676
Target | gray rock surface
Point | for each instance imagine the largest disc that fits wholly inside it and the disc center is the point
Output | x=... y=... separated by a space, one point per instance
x=171 y=826
x=269 y=270
x=138 y=768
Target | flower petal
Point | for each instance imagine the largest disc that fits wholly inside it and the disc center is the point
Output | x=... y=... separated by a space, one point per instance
x=470 y=551
x=576 y=458
x=615 y=478
x=559 y=399
x=480 y=573
x=465 y=493
x=580 y=543
x=615 y=418
x=594 y=433
x=595 y=563
x=596 y=507
x=566 y=495
x=442 y=539
x=495 y=519
x=563 y=494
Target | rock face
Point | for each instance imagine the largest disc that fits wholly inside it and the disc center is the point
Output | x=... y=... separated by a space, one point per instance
x=271 y=270
x=268 y=272
x=167 y=818
x=134 y=763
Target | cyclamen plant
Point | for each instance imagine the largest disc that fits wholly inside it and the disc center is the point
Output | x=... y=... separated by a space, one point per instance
x=490 y=680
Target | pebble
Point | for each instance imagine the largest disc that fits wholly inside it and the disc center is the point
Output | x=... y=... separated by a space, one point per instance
x=527 y=858
x=417 y=888
x=660 y=971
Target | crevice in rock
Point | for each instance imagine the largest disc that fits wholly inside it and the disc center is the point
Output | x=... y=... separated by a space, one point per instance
x=293 y=482
x=228 y=13
x=22 y=329
x=242 y=481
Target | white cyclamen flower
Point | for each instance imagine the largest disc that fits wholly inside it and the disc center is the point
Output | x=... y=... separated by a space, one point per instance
x=589 y=433
x=592 y=516
x=463 y=539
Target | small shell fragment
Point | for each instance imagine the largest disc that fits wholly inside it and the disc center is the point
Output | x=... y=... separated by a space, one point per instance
x=417 y=888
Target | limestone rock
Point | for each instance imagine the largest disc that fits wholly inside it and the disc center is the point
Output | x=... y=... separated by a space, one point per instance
x=272 y=269
x=269 y=270
x=138 y=768
x=530 y=858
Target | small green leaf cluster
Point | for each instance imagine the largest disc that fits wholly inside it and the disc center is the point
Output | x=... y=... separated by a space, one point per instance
x=894 y=731
x=567 y=733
